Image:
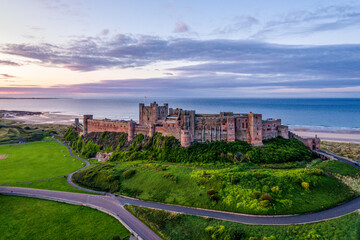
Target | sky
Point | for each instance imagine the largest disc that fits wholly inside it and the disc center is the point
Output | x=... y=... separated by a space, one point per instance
x=238 y=48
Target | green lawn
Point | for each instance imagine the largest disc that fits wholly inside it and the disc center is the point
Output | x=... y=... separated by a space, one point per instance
x=241 y=188
x=181 y=227
x=35 y=161
x=58 y=184
x=30 y=218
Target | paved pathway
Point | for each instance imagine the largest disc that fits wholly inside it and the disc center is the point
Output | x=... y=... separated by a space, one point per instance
x=114 y=205
x=105 y=204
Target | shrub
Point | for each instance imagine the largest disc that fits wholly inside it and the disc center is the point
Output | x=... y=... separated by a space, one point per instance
x=170 y=176
x=211 y=192
x=90 y=149
x=266 y=196
x=265 y=203
x=256 y=195
x=305 y=185
x=128 y=173
x=234 y=180
x=214 y=198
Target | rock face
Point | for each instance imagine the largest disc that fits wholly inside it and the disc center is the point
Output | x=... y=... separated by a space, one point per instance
x=102 y=157
x=189 y=127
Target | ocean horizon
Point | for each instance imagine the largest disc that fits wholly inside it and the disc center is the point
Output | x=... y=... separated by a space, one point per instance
x=313 y=113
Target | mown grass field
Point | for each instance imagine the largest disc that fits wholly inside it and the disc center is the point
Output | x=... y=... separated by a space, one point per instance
x=35 y=161
x=58 y=184
x=241 y=188
x=30 y=218
x=180 y=226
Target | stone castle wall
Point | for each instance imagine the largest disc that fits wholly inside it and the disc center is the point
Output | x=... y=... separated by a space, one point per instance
x=188 y=127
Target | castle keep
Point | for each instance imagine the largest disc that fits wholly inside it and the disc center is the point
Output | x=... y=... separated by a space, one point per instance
x=189 y=127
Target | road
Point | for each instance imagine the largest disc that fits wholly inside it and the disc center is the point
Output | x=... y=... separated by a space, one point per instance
x=107 y=204
x=114 y=205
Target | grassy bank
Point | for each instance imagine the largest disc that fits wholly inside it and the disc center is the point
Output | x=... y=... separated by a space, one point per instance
x=350 y=150
x=30 y=218
x=181 y=226
x=245 y=188
x=15 y=131
x=35 y=161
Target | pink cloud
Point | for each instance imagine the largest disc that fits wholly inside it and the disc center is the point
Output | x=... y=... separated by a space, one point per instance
x=181 y=27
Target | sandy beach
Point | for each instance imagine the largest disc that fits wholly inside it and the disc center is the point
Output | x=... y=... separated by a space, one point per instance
x=41 y=117
x=330 y=135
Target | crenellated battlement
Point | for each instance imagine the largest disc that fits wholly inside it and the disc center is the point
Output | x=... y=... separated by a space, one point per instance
x=189 y=127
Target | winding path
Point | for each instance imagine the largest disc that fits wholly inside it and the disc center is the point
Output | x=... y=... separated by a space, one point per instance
x=114 y=205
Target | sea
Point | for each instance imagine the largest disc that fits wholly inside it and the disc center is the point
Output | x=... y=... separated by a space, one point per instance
x=311 y=113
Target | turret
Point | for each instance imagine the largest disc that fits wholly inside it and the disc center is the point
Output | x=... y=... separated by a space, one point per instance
x=85 y=123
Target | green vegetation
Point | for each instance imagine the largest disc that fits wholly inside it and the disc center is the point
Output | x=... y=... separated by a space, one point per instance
x=13 y=131
x=244 y=187
x=180 y=226
x=57 y=184
x=350 y=150
x=35 y=161
x=30 y=218
x=168 y=149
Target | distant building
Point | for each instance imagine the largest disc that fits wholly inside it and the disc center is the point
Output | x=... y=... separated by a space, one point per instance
x=189 y=127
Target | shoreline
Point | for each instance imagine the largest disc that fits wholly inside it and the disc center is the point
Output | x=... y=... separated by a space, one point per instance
x=28 y=117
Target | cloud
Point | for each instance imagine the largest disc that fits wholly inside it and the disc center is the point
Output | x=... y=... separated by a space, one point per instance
x=321 y=19
x=105 y=32
x=241 y=23
x=6 y=76
x=181 y=27
x=218 y=67
x=9 y=63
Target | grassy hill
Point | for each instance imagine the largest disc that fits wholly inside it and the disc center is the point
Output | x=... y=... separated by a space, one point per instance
x=245 y=187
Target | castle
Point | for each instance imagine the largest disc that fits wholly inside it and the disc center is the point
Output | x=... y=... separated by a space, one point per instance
x=189 y=127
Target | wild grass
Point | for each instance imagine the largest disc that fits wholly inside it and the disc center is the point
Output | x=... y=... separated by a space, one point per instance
x=30 y=218
x=13 y=131
x=240 y=188
x=350 y=150
x=180 y=226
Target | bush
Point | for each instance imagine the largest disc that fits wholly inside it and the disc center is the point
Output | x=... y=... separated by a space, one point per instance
x=211 y=192
x=128 y=173
x=234 y=180
x=256 y=195
x=170 y=176
x=266 y=196
x=265 y=203
x=90 y=149
x=305 y=185
x=214 y=198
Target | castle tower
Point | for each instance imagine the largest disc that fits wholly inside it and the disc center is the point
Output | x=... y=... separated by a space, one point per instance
x=283 y=131
x=185 y=138
x=255 y=129
x=131 y=131
x=230 y=129
x=85 y=123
